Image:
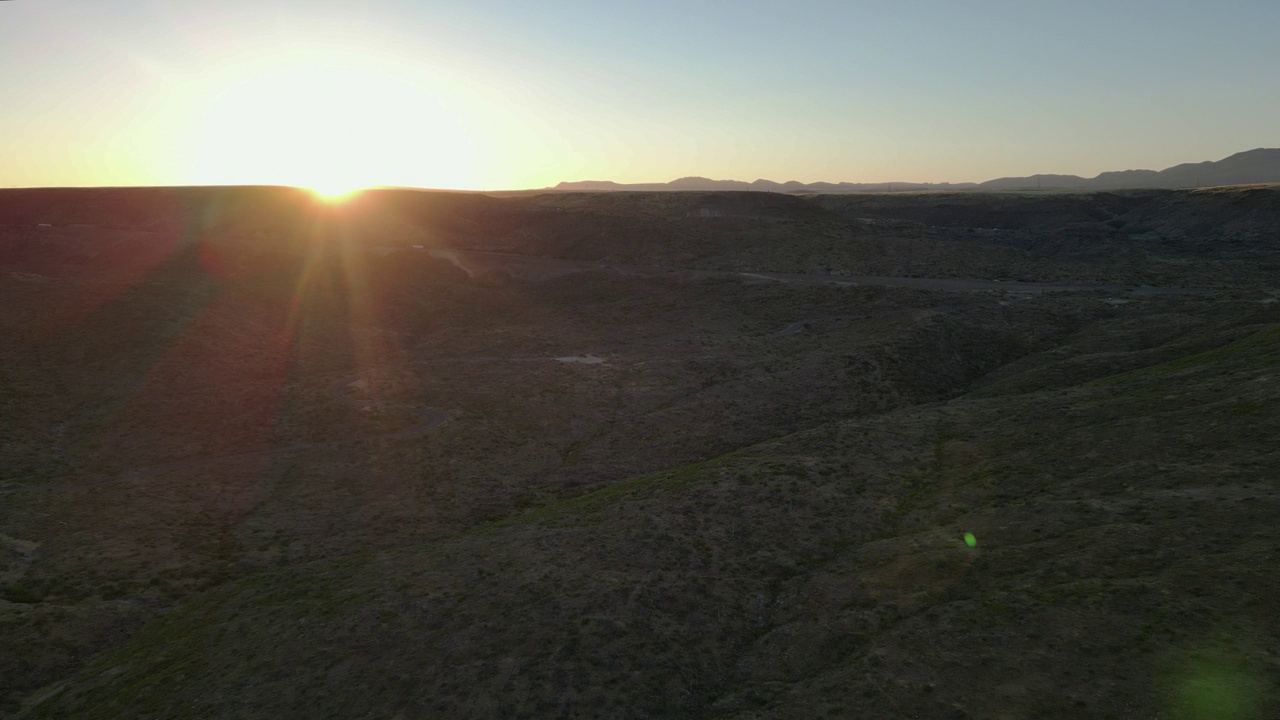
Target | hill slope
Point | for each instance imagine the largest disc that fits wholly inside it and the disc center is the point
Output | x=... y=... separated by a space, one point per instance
x=1122 y=527
x=265 y=457
x=1261 y=165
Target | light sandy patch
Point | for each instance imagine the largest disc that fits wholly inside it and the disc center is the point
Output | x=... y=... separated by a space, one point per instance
x=582 y=359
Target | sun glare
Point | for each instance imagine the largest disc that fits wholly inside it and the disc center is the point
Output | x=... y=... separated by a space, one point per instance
x=334 y=192
x=333 y=124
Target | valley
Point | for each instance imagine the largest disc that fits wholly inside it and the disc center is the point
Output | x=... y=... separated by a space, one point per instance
x=639 y=455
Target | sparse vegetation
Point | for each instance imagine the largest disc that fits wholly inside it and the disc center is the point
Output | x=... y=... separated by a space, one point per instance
x=914 y=503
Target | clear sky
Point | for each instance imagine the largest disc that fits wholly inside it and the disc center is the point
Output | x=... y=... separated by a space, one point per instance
x=490 y=94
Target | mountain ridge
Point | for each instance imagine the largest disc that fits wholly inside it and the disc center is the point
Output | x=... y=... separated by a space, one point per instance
x=1260 y=165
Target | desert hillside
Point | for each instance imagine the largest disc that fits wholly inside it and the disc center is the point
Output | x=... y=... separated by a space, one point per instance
x=639 y=454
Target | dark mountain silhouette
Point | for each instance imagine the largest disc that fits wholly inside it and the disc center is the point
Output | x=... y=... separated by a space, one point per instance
x=1254 y=166
x=702 y=184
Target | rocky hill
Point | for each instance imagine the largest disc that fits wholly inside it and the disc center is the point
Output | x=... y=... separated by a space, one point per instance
x=1254 y=166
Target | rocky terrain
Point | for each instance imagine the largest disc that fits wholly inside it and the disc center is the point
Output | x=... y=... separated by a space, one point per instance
x=663 y=457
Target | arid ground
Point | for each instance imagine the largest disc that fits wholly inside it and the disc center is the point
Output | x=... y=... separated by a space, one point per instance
x=639 y=455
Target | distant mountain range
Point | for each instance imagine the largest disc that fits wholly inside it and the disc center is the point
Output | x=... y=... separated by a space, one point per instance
x=1253 y=166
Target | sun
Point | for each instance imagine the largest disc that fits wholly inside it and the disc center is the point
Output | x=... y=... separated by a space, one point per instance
x=334 y=192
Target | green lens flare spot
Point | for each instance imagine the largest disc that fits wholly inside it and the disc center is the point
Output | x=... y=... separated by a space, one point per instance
x=1218 y=690
x=970 y=540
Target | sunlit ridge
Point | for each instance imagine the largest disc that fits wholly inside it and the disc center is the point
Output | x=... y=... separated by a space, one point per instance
x=334 y=192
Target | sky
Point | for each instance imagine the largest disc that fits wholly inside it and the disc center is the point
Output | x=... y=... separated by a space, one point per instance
x=506 y=94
